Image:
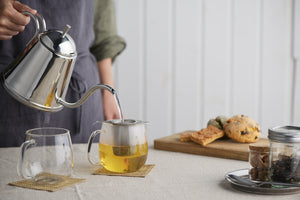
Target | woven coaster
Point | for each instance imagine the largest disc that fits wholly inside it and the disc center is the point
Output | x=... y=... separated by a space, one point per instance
x=142 y=172
x=48 y=182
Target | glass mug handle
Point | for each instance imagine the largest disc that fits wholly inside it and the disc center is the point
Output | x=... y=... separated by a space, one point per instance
x=90 y=142
x=23 y=149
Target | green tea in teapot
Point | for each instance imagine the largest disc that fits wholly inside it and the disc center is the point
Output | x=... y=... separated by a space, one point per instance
x=123 y=159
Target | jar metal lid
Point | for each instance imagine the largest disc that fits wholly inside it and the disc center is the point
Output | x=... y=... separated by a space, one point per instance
x=290 y=134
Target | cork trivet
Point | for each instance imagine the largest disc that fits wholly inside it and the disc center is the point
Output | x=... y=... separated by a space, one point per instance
x=49 y=182
x=142 y=172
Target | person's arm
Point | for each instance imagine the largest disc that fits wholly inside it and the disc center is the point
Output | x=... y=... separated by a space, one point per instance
x=12 y=21
x=110 y=108
x=106 y=47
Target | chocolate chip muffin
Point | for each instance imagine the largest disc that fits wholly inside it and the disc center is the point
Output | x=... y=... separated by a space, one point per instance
x=242 y=129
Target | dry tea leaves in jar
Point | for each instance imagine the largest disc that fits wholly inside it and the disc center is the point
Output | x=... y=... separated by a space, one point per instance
x=286 y=169
x=284 y=154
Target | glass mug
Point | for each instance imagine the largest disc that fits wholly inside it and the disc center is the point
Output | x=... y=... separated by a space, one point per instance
x=123 y=145
x=46 y=151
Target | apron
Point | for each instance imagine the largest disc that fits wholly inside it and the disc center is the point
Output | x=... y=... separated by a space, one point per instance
x=16 y=118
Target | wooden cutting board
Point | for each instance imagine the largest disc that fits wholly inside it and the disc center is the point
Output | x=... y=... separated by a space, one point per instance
x=221 y=148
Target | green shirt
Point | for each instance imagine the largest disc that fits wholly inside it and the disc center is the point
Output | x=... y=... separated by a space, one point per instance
x=107 y=44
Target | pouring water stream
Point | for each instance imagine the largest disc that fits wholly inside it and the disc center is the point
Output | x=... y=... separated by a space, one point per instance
x=119 y=106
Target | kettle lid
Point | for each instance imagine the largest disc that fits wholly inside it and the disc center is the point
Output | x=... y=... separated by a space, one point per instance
x=59 y=42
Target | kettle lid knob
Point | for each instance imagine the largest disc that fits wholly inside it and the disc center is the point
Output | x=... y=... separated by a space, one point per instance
x=59 y=42
x=67 y=28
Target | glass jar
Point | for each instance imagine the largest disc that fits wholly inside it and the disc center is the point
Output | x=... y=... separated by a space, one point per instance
x=259 y=161
x=284 y=154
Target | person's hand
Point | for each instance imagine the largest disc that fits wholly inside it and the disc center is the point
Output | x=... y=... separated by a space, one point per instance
x=110 y=107
x=12 y=21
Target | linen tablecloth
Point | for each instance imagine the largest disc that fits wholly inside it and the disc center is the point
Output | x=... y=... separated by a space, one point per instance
x=175 y=176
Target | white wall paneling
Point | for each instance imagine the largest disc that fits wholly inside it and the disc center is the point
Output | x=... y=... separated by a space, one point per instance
x=246 y=56
x=190 y=60
x=129 y=71
x=187 y=67
x=159 y=66
x=276 y=63
x=296 y=59
x=216 y=58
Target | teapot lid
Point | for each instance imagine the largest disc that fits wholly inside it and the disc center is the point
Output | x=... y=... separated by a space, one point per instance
x=59 y=42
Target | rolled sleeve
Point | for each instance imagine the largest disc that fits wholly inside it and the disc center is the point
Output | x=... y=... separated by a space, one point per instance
x=107 y=43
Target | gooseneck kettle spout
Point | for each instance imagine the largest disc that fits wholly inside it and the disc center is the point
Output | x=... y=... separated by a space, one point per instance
x=85 y=96
x=40 y=76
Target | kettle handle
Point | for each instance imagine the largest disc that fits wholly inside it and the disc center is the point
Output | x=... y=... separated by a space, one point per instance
x=37 y=24
x=42 y=21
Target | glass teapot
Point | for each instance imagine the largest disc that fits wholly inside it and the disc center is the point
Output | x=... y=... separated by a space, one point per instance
x=40 y=76
x=123 y=145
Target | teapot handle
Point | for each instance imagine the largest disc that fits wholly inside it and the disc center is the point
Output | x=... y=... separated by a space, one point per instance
x=37 y=24
x=90 y=142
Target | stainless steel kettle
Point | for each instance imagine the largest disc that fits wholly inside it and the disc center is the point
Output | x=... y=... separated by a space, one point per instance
x=40 y=76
